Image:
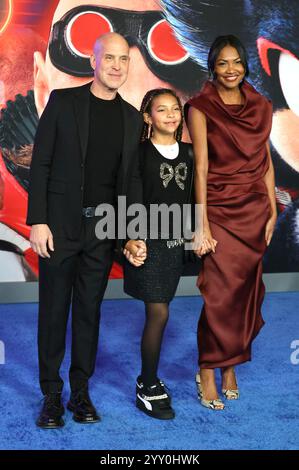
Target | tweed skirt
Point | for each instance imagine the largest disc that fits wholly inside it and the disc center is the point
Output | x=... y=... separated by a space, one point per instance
x=157 y=280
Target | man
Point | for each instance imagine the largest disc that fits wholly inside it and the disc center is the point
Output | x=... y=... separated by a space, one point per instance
x=85 y=149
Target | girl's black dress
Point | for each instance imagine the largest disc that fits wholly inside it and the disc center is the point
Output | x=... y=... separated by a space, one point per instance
x=164 y=181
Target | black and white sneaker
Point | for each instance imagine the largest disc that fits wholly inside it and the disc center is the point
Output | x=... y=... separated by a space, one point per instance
x=154 y=400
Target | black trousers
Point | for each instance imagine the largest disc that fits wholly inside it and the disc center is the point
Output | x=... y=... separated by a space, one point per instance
x=77 y=272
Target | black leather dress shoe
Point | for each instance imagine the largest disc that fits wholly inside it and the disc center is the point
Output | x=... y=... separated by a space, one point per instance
x=83 y=410
x=51 y=413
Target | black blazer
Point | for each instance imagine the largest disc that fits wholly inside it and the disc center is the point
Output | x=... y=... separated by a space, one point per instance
x=57 y=168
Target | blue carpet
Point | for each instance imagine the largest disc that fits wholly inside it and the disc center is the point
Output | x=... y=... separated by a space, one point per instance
x=266 y=416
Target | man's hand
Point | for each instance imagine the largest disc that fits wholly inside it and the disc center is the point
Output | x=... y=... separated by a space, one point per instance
x=135 y=252
x=41 y=239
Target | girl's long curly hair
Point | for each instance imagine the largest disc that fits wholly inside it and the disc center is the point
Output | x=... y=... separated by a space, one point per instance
x=146 y=107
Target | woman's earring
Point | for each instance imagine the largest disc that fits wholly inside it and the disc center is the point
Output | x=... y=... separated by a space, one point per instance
x=149 y=131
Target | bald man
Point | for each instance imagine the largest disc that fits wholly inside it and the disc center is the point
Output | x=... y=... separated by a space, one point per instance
x=85 y=154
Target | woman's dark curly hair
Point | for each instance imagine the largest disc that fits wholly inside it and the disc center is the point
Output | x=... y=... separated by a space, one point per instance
x=146 y=107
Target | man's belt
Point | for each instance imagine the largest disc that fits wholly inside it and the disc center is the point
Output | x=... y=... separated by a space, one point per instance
x=89 y=211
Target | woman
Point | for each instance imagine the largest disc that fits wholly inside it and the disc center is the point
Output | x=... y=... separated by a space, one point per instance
x=229 y=123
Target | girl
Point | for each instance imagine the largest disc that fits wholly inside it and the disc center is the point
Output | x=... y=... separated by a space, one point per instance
x=166 y=166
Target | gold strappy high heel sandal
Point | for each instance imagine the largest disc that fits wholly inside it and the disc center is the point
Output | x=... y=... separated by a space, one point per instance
x=212 y=404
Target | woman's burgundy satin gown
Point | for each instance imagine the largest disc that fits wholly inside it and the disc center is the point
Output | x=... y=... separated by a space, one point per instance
x=238 y=210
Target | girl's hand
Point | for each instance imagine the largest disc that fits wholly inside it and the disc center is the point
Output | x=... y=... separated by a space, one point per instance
x=270 y=226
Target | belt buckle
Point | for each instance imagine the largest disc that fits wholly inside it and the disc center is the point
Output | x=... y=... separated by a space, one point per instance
x=89 y=211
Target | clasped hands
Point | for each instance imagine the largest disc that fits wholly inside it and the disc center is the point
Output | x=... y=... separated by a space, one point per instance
x=135 y=251
x=203 y=242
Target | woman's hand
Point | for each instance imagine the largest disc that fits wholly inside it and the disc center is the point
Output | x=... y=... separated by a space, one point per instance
x=135 y=252
x=270 y=226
